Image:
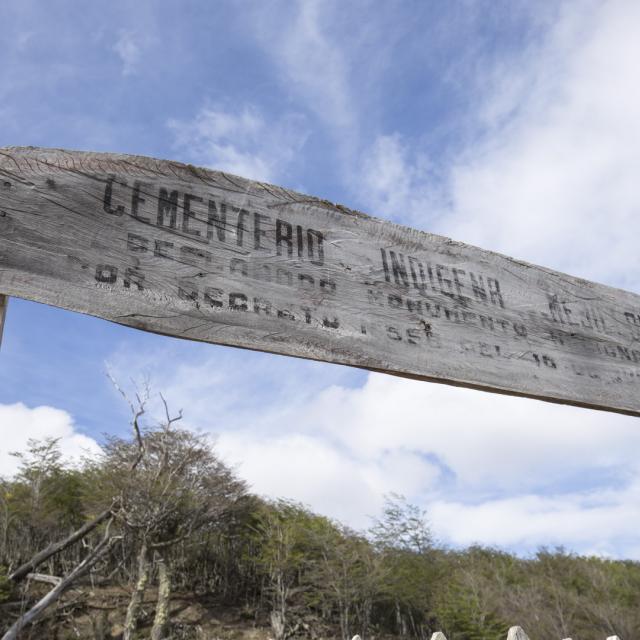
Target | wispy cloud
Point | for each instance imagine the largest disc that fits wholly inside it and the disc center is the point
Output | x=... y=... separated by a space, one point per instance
x=241 y=141
x=557 y=182
x=397 y=180
x=312 y=63
x=131 y=46
x=545 y=162
x=330 y=60
x=550 y=174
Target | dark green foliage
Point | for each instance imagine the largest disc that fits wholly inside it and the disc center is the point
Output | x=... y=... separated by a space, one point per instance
x=43 y=502
x=463 y=616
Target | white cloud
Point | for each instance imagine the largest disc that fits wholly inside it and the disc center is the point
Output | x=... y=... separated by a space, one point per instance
x=330 y=60
x=597 y=523
x=558 y=182
x=19 y=423
x=310 y=468
x=492 y=443
x=490 y=469
x=241 y=141
x=130 y=47
x=396 y=182
x=309 y=431
x=311 y=61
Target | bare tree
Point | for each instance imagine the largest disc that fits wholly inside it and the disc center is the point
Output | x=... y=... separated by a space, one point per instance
x=169 y=485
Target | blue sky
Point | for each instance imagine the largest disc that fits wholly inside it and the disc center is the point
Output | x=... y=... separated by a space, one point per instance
x=510 y=125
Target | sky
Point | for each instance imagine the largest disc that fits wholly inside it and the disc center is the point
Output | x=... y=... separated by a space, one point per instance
x=506 y=124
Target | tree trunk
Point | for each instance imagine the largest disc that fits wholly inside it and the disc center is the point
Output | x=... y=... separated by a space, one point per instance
x=277 y=624
x=278 y=616
x=133 y=610
x=161 y=620
x=39 y=608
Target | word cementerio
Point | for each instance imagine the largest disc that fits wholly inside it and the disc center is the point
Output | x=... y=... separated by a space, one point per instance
x=201 y=218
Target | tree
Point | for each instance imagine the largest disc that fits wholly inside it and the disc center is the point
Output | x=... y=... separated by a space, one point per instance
x=349 y=575
x=402 y=526
x=282 y=532
x=168 y=485
x=44 y=500
x=403 y=539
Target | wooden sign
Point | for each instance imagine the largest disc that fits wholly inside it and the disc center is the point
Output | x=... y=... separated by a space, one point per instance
x=204 y=255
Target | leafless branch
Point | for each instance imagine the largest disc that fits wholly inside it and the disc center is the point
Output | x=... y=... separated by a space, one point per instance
x=137 y=411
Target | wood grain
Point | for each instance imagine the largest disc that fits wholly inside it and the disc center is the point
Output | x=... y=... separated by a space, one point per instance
x=204 y=255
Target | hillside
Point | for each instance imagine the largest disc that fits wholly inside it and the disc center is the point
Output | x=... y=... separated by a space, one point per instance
x=182 y=549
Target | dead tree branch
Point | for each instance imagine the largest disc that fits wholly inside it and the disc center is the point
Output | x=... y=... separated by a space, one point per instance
x=41 y=606
x=137 y=411
x=57 y=547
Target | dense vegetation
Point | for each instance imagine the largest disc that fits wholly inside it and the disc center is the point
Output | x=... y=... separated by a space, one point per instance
x=180 y=521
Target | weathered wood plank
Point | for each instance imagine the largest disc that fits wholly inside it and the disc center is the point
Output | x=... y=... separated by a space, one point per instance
x=203 y=255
